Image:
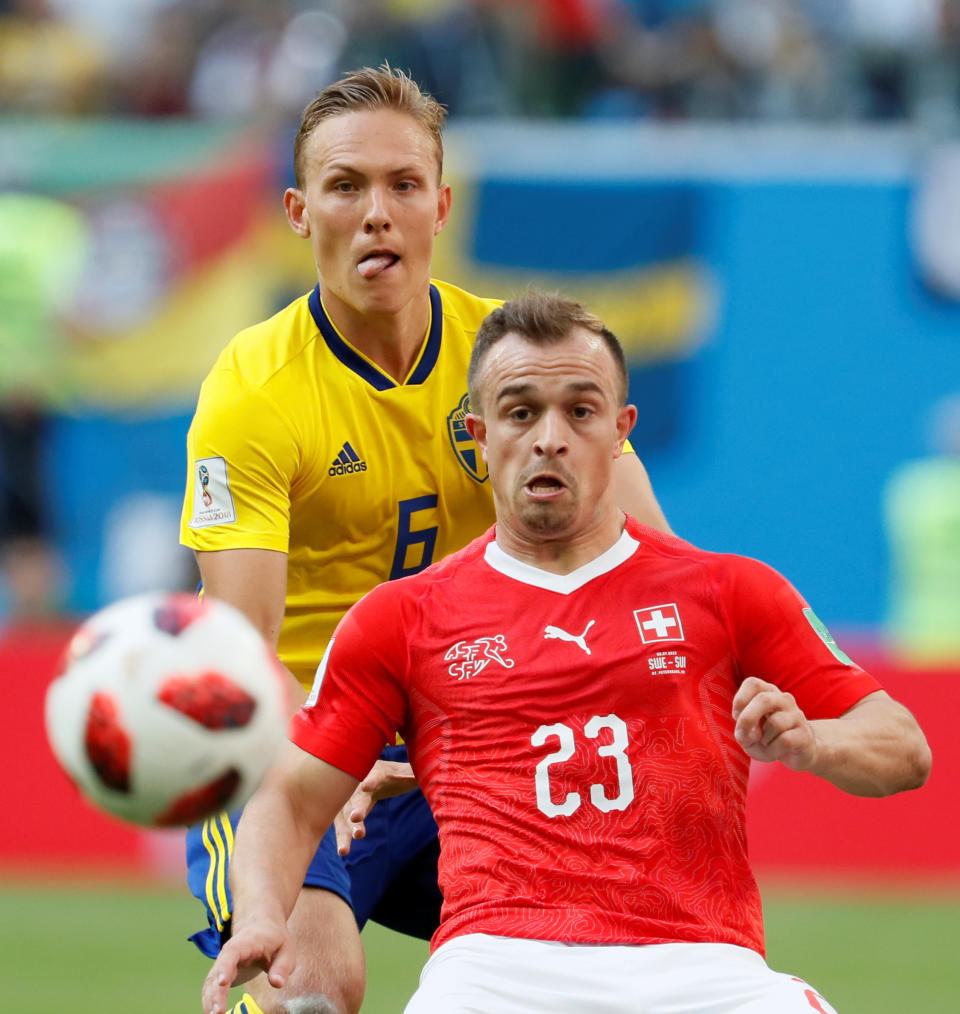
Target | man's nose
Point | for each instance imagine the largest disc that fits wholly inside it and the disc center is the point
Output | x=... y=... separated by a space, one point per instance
x=377 y=216
x=551 y=436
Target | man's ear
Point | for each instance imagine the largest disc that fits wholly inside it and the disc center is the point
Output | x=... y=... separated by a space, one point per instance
x=626 y=420
x=295 y=205
x=444 y=199
x=477 y=428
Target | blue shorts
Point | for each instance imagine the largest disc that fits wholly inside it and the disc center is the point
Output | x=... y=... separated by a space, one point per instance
x=389 y=876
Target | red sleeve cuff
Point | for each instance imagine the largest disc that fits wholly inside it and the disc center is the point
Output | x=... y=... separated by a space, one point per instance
x=355 y=758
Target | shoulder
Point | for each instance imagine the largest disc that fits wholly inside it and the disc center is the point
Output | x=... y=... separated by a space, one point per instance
x=258 y=354
x=661 y=542
x=723 y=570
x=463 y=308
x=670 y=549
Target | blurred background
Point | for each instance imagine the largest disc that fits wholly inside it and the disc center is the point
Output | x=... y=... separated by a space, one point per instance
x=761 y=197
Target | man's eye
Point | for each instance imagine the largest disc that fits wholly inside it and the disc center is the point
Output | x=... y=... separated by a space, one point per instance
x=406 y=185
x=520 y=414
x=582 y=411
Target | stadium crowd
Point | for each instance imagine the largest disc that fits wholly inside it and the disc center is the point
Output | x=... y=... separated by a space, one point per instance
x=780 y=60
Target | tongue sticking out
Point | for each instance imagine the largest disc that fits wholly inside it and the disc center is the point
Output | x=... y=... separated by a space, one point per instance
x=374 y=264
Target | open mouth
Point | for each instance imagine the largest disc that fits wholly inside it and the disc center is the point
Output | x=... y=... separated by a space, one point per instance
x=544 y=486
x=376 y=263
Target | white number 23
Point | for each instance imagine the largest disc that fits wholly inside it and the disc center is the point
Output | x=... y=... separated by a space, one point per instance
x=617 y=748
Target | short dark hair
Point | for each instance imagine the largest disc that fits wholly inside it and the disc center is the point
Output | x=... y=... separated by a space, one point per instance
x=544 y=318
x=371 y=88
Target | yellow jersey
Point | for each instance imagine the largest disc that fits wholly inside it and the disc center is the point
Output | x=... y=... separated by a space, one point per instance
x=301 y=444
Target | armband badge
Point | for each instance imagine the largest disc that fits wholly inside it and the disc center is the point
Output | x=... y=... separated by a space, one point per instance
x=212 y=500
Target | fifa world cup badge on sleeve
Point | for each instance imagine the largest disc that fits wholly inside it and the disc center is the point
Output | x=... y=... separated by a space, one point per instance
x=212 y=500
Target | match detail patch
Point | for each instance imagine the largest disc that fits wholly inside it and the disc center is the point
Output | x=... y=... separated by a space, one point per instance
x=212 y=500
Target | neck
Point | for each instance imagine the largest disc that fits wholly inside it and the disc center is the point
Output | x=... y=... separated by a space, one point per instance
x=392 y=340
x=560 y=553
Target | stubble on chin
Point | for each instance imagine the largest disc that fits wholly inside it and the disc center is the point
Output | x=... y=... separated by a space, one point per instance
x=546 y=518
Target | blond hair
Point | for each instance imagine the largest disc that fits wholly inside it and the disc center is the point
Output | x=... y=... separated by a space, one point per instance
x=371 y=88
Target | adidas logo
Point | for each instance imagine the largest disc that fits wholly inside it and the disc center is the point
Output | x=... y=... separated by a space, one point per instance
x=347 y=462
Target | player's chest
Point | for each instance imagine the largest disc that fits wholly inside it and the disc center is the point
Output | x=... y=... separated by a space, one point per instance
x=648 y=651
x=401 y=438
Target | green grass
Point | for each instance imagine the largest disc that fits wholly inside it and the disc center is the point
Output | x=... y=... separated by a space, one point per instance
x=108 y=948
x=105 y=948
x=870 y=953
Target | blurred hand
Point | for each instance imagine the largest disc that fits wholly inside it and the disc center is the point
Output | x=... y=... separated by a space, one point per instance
x=386 y=779
x=771 y=727
x=263 y=947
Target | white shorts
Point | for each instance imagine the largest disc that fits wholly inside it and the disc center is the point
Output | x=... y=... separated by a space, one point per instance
x=481 y=974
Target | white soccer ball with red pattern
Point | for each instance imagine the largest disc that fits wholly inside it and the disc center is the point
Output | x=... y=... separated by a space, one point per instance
x=169 y=709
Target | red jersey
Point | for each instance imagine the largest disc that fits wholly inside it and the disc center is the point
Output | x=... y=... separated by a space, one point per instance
x=572 y=733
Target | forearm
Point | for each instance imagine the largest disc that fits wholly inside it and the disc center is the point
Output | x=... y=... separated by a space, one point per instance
x=285 y=818
x=278 y=834
x=261 y=887
x=875 y=749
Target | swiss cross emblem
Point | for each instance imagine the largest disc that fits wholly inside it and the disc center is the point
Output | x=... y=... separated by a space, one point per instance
x=467 y=658
x=659 y=623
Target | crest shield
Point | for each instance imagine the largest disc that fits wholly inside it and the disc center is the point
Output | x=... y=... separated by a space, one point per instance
x=464 y=446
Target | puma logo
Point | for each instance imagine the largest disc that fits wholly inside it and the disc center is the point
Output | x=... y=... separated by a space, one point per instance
x=561 y=635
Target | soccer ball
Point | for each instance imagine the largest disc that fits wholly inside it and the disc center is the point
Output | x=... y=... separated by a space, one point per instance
x=168 y=709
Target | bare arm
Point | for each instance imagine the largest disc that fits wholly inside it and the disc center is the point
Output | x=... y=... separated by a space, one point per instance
x=286 y=817
x=635 y=494
x=876 y=748
x=255 y=582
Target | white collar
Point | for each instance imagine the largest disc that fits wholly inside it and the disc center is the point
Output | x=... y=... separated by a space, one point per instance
x=563 y=584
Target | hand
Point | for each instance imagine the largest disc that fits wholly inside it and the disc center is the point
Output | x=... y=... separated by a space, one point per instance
x=770 y=726
x=385 y=779
x=264 y=947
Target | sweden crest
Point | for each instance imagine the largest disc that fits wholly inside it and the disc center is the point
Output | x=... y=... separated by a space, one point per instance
x=464 y=446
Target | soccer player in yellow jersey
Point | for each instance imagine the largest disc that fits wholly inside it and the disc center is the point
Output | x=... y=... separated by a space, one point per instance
x=328 y=454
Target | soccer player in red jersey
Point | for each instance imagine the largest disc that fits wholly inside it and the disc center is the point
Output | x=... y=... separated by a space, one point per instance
x=329 y=453
x=581 y=696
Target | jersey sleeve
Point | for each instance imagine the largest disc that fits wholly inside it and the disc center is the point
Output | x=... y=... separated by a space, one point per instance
x=242 y=456
x=359 y=696
x=778 y=637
